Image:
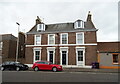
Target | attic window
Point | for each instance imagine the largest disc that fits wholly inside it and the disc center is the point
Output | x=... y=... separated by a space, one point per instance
x=79 y=24
x=41 y=27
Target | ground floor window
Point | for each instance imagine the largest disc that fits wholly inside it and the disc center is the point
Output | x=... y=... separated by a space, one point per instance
x=80 y=56
x=115 y=59
x=37 y=54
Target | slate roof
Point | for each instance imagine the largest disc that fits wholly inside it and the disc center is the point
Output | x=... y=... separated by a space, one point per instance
x=109 y=46
x=63 y=27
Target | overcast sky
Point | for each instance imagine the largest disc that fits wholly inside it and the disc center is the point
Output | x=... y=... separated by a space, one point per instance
x=104 y=15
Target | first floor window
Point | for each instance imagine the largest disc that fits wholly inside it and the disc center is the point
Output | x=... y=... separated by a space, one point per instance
x=37 y=55
x=64 y=39
x=79 y=38
x=115 y=58
x=37 y=39
x=51 y=39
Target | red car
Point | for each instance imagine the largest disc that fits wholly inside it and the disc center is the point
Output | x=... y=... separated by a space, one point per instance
x=46 y=65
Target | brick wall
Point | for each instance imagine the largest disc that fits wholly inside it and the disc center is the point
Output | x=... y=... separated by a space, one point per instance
x=91 y=54
x=29 y=55
x=90 y=37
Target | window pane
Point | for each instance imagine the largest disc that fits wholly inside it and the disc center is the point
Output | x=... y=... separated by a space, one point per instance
x=51 y=39
x=80 y=38
x=79 y=24
x=38 y=40
x=115 y=58
x=64 y=38
x=37 y=55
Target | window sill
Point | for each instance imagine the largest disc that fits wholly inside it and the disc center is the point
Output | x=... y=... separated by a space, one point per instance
x=115 y=63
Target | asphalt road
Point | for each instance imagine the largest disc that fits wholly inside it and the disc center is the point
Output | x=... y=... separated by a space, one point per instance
x=48 y=76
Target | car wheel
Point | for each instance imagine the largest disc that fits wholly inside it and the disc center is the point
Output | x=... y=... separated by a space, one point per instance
x=17 y=68
x=2 y=68
x=54 y=69
x=36 y=69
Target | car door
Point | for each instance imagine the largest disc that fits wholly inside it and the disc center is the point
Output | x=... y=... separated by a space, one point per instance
x=7 y=65
x=40 y=65
x=47 y=66
x=12 y=65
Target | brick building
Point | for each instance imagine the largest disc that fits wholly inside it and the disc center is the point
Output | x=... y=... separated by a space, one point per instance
x=109 y=54
x=69 y=44
x=8 y=46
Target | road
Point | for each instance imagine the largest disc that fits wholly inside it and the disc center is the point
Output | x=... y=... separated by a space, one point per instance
x=48 y=76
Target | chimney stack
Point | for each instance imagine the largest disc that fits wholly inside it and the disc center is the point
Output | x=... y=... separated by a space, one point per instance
x=38 y=20
x=89 y=16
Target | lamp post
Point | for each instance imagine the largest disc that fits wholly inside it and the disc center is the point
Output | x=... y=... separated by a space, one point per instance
x=17 y=42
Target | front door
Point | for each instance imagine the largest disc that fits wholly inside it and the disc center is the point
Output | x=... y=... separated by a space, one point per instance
x=80 y=59
x=64 y=57
x=51 y=56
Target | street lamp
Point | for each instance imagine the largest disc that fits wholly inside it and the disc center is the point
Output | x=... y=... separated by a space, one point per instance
x=17 y=42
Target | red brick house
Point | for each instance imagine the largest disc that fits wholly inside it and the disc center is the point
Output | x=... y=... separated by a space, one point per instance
x=69 y=44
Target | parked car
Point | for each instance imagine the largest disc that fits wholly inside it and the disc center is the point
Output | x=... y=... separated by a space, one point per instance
x=46 y=65
x=11 y=65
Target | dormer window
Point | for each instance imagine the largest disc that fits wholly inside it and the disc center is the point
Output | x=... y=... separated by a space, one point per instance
x=41 y=27
x=79 y=24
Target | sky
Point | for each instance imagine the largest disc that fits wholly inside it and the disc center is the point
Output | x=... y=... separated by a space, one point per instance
x=104 y=15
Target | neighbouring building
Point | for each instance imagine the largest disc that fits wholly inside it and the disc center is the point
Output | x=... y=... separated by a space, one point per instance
x=21 y=47
x=109 y=55
x=8 y=46
x=71 y=44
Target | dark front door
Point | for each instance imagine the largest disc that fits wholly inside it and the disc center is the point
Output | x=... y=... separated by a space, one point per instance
x=51 y=56
x=64 y=57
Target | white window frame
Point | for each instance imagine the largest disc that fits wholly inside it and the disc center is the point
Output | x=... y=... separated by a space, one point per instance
x=80 y=49
x=34 y=50
x=49 y=39
x=64 y=49
x=51 y=49
x=81 y=24
x=77 y=37
x=35 y=40
x=61 y=38
x=41 y=27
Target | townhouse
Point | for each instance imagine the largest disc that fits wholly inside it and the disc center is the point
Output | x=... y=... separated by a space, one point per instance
x=69 y=44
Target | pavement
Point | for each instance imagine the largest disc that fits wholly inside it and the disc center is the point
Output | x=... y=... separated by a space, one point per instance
x=88 y=70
